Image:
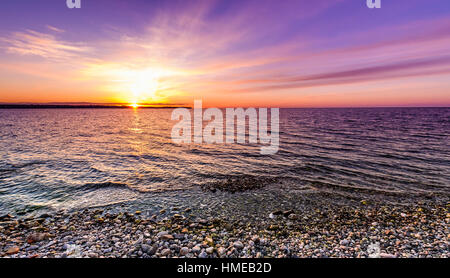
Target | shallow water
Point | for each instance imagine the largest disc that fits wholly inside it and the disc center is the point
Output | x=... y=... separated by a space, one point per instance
x=76 y=158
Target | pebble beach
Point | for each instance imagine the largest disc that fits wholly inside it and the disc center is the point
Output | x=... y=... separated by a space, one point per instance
x=365 y=231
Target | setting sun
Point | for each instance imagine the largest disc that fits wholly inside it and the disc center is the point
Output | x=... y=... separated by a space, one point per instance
x=134 y=85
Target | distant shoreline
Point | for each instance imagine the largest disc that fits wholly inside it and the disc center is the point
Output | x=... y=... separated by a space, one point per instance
x=62 y=106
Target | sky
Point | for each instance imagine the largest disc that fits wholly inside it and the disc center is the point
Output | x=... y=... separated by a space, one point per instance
x=261 y=53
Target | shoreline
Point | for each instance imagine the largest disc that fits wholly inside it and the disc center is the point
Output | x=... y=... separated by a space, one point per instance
x=368 y=230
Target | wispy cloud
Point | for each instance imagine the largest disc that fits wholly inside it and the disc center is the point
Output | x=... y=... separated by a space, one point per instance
x=31 y=42
x=55 y=29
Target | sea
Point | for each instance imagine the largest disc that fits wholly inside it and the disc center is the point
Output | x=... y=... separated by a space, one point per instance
x=125 y=159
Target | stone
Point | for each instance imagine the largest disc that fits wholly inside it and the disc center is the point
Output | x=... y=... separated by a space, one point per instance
x=209 y=250
x=162 y=233
x=196 y=249
x=387 y=256
x=209 y=241
x=179 y=236
x=12 y=250
x=184 y=251
x=36 y=237
x=203 y=255
x=203 y=222
x=221 y=251
x=166 y=252
x=145 y=248
x=166 y=237
x=255 y=239
x=238 y=245
x=152 y=250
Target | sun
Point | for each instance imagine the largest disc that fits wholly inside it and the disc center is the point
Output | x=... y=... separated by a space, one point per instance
x=134 y=105
x=136 y=86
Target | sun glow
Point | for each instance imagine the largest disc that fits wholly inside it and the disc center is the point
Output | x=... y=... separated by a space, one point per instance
x=131 y=84
x=142 y=85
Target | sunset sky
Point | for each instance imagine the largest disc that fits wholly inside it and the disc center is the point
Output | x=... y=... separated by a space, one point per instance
x=303 y=53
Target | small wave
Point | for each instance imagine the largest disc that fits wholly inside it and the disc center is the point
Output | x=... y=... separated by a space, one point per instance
x=81 y=134
x=11 y=168
x=27 y=164
x=100 y=185
x=7 y=170
x=145 y=157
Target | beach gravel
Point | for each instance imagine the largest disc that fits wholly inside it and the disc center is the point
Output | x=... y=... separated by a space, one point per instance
x=370 y=230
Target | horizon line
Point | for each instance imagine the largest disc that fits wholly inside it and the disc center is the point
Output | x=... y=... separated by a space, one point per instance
x=50 y=105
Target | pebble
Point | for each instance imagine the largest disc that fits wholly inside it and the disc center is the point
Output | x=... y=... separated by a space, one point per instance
x=166 y=252
x=221 y=251
x=196 y=249
x=166 y=237
x=209 y=241
x=145 y=248
x=12 y=250
x=203 y=255
x=385 y=255
x=238 y=245
x=184 y=251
